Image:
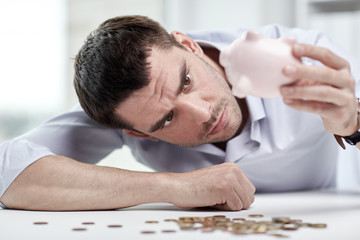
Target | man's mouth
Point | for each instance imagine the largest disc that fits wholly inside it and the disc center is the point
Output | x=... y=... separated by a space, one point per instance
x=220 y=123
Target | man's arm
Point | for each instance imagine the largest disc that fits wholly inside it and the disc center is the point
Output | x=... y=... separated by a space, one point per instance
x=58 y=183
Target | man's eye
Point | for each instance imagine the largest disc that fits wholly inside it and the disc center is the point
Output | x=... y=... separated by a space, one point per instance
x=187 y=81
x=168 y=119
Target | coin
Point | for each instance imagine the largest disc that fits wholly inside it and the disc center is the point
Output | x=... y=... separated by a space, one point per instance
x=279 y=235
x=318 y=225
x=88 y=223
x=79 y=229
x=295 y=220
x=170 y=220
x=152 y=221
x=40 y=223
x=281 y=219
x=147 y=232
x=256 y=216
x=290 y=227
x=241 y=226
x=115 y=226
x=168 y=231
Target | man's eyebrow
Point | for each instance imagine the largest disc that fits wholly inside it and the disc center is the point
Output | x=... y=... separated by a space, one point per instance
x=182 y=73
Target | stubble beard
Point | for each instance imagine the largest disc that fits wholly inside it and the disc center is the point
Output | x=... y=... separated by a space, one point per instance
x=227 y=101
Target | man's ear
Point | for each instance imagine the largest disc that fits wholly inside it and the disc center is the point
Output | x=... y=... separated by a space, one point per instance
x=139 y=135
x=187 y=42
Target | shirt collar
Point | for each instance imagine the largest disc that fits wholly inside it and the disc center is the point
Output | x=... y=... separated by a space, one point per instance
x=256 y=113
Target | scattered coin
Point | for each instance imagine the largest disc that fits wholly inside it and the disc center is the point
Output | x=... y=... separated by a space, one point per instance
x=88 y=223
x=243 y=226
x=170 y=220
x=114 y=226
x=40 y=223
x=152 y=221
x=147 y=232
x=79 y=229
x=295 y=220
x=290 y=227
x=281 y=219
x=279 y=235
x=318 y=225
x=168 y=231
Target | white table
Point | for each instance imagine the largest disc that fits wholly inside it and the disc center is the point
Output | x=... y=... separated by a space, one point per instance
x=340 y=210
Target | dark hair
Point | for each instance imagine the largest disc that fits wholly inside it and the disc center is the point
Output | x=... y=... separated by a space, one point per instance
x=112 y=64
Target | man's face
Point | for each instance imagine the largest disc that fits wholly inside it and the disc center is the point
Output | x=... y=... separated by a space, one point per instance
x=187 y=102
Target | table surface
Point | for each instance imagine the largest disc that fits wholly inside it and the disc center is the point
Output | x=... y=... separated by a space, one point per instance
x=340 y=210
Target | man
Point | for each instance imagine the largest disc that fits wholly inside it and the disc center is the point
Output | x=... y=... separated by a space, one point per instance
x=168 y=99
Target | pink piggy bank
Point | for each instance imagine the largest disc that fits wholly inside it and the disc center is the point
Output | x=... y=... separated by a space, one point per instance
x=254 y=64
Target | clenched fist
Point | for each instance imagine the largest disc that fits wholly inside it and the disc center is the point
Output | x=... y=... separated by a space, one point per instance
x=222 y=186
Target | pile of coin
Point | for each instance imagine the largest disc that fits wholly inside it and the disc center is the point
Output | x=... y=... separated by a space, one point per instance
x=243 y=225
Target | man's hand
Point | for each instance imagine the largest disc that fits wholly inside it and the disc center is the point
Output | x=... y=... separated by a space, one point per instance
x=326 y=90
x=222 y=186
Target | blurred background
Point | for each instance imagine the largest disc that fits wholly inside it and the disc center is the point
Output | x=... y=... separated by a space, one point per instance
x=40 y=38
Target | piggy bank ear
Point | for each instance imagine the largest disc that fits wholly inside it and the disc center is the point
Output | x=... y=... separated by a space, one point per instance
x=224 y=56
x=241 y=86
x=253 y=36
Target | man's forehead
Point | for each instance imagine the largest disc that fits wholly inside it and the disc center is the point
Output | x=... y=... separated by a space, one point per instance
x=154 y=99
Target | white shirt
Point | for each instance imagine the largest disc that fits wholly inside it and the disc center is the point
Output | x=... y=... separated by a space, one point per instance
x=280 y=149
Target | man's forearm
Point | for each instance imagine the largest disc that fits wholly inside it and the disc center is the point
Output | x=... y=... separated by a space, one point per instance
x=59 y=183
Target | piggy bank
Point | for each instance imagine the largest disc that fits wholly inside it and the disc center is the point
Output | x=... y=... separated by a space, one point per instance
x=253 y=64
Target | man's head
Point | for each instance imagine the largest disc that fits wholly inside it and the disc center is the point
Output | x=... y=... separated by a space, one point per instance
x=132 y=74
x=113 y=63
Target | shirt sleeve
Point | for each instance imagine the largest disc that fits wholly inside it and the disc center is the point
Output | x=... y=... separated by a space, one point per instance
x=72 y=134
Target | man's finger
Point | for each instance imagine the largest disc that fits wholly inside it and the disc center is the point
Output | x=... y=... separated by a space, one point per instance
x=321 y=54
x=319 y=74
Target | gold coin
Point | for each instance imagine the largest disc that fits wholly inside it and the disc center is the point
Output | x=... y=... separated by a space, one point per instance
x=318 y=225
x=281 y=219
x=147 y=232
x=168 y=231
x=304 y=224
x=295 y=220
x=152 y=221
x=256 y=216
x=238 y=219
x=115 y=226
x=79 y=229
x=290 y=227
x=219 y=216
x=40 y=223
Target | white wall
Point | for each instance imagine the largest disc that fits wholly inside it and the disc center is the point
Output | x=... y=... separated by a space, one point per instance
x=32 y=62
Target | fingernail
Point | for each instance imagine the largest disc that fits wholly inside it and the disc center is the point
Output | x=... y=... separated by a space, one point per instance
x=299 y=49
x=287 y=90
x=290 y=69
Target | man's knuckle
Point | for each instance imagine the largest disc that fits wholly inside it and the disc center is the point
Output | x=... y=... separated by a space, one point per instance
x=326 y=54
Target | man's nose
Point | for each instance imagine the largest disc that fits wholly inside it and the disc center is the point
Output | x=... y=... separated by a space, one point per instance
x=196 y=108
